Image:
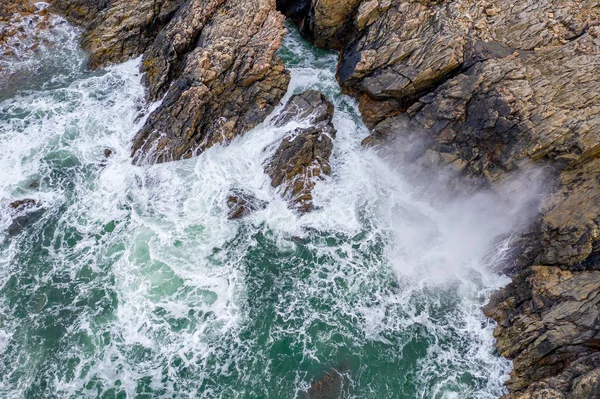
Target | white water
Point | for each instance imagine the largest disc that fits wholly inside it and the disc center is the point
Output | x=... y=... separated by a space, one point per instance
x=142 y=278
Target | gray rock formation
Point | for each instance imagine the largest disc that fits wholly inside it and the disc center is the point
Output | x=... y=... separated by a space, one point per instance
x=303 y=156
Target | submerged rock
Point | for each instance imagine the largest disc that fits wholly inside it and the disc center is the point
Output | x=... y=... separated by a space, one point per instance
x=303 y=156
x=242 y=203
x=26 y=212
x=334 y=385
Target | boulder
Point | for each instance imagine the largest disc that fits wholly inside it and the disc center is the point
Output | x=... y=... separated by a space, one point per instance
x=303 y=155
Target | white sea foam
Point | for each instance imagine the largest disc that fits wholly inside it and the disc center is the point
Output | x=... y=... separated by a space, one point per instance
x=162 y=286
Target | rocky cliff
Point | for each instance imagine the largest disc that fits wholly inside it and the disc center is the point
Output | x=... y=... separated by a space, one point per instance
x=493 y=89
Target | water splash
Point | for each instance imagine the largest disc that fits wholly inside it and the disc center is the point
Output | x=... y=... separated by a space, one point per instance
x=133 y=283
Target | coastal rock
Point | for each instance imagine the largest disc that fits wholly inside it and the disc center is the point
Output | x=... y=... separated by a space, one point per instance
x=547 y=319
x=21 y=23
x=333 y=385
x=229 y=82
x=24 y=212
x=491 y=91
x=327 y=23
x=115 y=31
x=303 y=156
x=242 y=203
x=406 y=49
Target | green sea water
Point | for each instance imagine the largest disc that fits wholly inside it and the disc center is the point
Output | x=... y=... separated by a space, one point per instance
x=132 y=283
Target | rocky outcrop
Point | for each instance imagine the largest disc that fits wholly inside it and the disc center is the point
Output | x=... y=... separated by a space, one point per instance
x=213 y=62
x=115 y=31
x=548 y=324
x=303 y=156
x=327 y=23
x=403 y=50
x=228 y=83
x=495 y=119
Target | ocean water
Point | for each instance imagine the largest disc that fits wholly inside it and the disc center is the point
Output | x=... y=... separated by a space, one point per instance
x=130 y=282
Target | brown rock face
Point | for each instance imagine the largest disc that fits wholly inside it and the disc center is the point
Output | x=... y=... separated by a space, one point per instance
x=14 y=39
x=327 y=23
x=228 y=83
x=116 y=31
x=548 y=318
x=498 y=117
x=303 y=156
x=213 y=61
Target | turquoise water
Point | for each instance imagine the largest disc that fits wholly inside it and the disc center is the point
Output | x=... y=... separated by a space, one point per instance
x=133 y=284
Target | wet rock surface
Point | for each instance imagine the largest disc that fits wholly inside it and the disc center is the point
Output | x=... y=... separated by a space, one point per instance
x=228 y=84
x=24 y=213
x=333 y=385
x=327 y=23
x=303 y=155
x=15 y=40
x=213 y=62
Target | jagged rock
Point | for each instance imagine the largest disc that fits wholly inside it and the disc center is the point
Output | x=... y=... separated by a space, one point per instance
x=303 y=156
x=23 y=204
x=228 y=83
x=547 y=319
x=327 y=23
x=242 y=203
x=15 y=40
x=116 y=31
x=406 y=49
